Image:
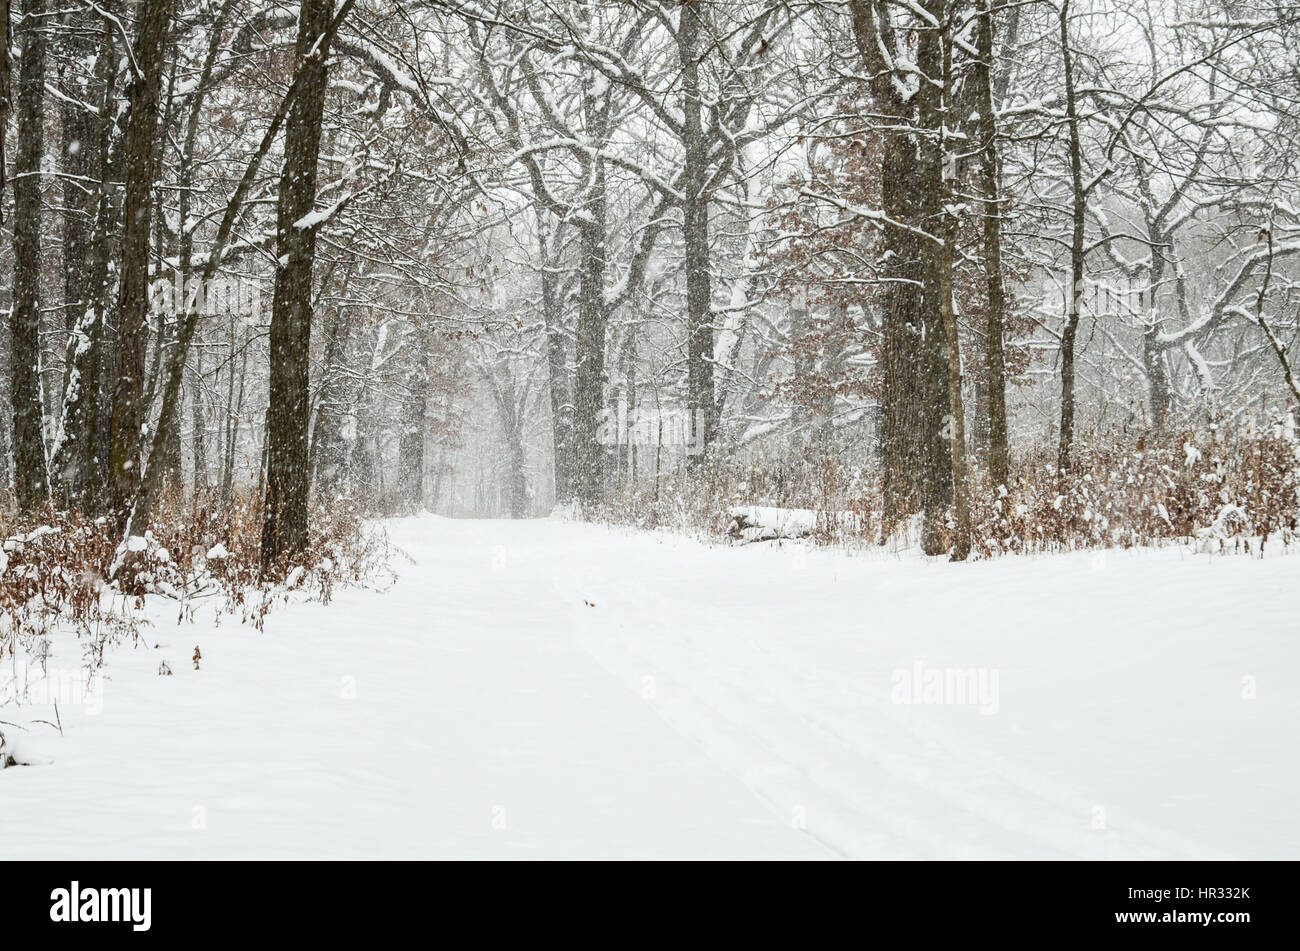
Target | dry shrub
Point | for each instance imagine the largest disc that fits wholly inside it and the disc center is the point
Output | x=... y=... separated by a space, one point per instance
x=1216 y=493
x=55 y=569
x=1212 y=490
x=696 y=501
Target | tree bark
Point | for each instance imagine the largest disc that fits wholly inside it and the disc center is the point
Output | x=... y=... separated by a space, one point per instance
x=915 y=456
x=1077 y=218
x=198 y=424
x=87 y=435
x=30 y=478
x=588 y=455
x=6 y=90
x=328 y=448
x=410 y=442
x=947 y=230
x=139 y=158
x=78 y=125
x=234 y=413
x=936 y=423
x=589 y=378
x=556 y=363
x=995 y=327
x=700 y=403
x=288 y=475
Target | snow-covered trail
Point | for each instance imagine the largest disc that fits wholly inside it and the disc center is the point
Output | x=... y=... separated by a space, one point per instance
x=545 y=688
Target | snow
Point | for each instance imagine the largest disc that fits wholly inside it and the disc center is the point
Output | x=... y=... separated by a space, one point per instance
x=314 y=219
x=556 y=689
x=765 y=522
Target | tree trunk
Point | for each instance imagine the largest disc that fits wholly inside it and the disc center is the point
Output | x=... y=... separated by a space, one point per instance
x=901 y=330
x=85 y=147
x=284 y=529
x=198 y=434
x=6 y=102
x=1153 y=360
x=328 y=448
x=31 y=485
x=700 y=403
x=86 y=435
x=917 y=472
x=936 y=423
x=589 y=379
x=1153 y=351
x=518 y=473
x=139 y=157
x=78 y=125
x=947 y=230
x=632 y=398
x=1078 y=210
x=234 y=413
x=556 y=365
x=995 y=328
x=410 y=442
x=6 y=90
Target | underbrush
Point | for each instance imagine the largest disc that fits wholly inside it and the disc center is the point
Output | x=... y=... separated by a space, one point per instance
x=1208 y=490
x=56 y=570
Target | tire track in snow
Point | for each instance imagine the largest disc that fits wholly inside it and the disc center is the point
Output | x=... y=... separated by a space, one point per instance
x=850 y=777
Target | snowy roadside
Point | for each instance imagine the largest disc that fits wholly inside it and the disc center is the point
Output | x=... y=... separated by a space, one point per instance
x=549 y=688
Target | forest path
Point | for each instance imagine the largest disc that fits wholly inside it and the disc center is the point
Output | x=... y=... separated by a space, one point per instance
x=544 y=688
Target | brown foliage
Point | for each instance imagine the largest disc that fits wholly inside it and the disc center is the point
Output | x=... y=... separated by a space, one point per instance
x=827 y=262
x=55 y=569
x=1217 y=493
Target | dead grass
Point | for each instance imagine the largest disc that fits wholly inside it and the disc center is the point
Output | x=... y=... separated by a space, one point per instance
x=1211 y=490
x=55 y=567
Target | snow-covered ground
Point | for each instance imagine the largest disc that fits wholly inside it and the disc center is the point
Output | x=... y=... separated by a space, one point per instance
x=547 y=688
